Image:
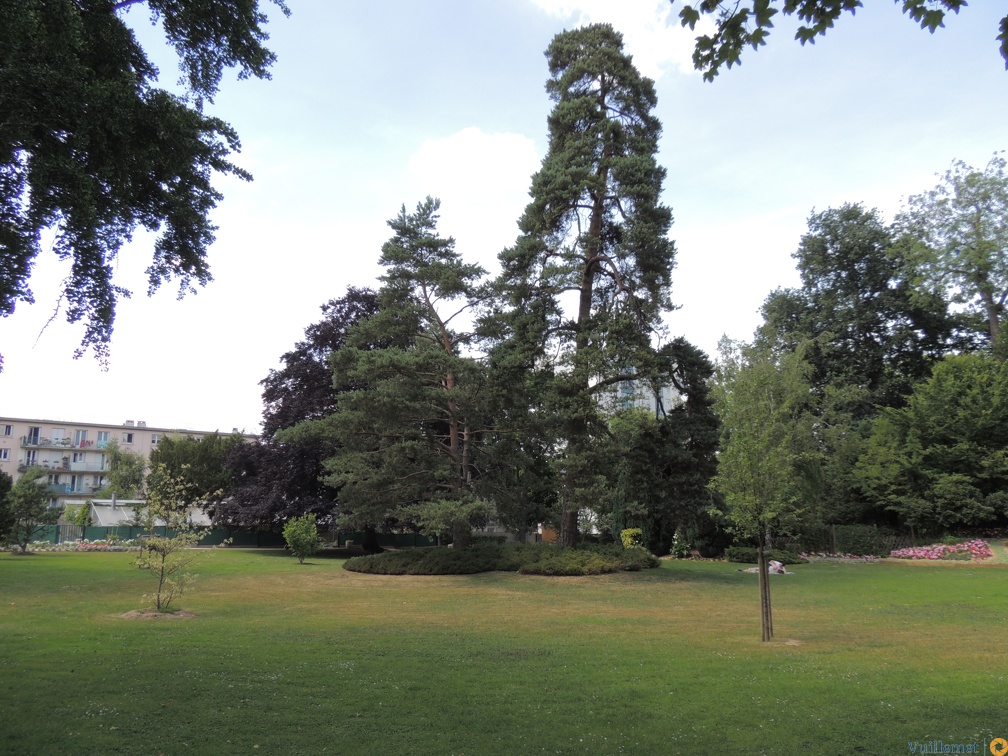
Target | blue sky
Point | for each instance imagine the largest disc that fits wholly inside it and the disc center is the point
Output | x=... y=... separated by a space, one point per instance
x=375 y=105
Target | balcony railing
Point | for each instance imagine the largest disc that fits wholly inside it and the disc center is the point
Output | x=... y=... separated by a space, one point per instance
x=40 y=442
x=58 y=489
x=62 y=467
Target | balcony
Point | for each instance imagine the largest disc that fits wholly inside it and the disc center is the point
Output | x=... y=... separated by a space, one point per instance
x=62 y=467
x=40 y=442
x=64 y=490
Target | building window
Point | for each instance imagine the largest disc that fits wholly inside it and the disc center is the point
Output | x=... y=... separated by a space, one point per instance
x=127 y=438
x=155 y=438
x=8 y=430
x=4 y=454
x=33 y=436
x=79 y=456
x=54 y=479
x=80 y=436
x=77 y=483
x=30 y=458
x=103 y=437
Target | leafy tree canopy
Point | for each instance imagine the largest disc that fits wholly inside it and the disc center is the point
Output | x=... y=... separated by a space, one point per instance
x=747 y=23
x=272 y=481
x=91 y=148
x=864 y=323
x=126 y=472
x=958 y=235
x=27 y=508
x=199 y=462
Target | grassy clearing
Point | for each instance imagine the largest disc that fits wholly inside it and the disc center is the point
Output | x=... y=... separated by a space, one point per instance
x=312 y=659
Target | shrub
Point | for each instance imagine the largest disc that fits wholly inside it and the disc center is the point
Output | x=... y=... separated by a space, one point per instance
x=301 y=535
x=528 y=559
x=632 y=537
x=747 y=555
x=866 y=540
x=680 y=547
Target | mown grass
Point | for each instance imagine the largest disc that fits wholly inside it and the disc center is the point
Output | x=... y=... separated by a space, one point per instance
x=282 y=658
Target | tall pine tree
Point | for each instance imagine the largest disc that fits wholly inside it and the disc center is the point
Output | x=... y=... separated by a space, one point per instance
x=585 y=285
x=406 y=436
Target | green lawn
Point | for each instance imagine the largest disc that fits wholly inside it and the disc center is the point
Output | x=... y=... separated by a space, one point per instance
x=282 y=658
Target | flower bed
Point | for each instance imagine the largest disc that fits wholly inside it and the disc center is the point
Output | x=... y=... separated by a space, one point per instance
x=97 y=545
x=967 y=550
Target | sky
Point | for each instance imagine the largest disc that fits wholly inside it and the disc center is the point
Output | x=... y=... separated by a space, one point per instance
x=373 y=106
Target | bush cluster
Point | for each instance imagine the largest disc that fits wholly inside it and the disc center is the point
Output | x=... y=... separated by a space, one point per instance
x=527 y=559
x=866 y=539
x=747 y=555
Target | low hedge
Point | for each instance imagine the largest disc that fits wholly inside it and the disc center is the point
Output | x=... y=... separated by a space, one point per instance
x=747 y=555
x=527 y=559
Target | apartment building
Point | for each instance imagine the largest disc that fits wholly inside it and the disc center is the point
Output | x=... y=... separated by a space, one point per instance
x=73 y=453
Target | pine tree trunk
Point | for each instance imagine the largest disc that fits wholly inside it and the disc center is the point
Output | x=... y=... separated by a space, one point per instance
x=568 y=528
x=461 y=535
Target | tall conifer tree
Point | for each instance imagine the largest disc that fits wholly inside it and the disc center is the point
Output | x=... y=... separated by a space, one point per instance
x=587 y=281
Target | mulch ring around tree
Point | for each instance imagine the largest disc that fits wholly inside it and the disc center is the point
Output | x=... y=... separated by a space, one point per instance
x=153 y=614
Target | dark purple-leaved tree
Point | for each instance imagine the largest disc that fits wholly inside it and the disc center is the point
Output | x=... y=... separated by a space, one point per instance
x=273 y=481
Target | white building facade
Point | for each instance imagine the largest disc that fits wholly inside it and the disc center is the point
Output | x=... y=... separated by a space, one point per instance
x=74 y=453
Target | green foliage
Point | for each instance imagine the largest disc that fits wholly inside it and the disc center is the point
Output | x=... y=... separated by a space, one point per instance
x=301 y=535
x=201 y=461
x=93 y=149
x=632 y=537
x=658 y=465
x=768 y=455
x=6 y=513
x=867 y=540
x=408 y=427
x=941 y=462
x=595 y=232
x=680 y=546
x=78 y=515
x=528 y=559
x=169 y=558
x=749 y=555
x=27 y=508
x=957 y=556
x=958 y=236
x=126 y=471
x=868 y=332
x=748 y=24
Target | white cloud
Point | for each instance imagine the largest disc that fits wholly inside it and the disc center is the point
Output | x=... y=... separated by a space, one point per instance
x=482 y=181
x=651 y=30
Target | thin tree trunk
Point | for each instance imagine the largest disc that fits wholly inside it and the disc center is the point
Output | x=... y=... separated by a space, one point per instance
x=766 y=613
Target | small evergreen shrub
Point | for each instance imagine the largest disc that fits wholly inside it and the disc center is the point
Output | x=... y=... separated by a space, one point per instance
x=747 y=555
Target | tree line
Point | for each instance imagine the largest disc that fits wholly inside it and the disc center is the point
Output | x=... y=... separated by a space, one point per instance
x=447 y=398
